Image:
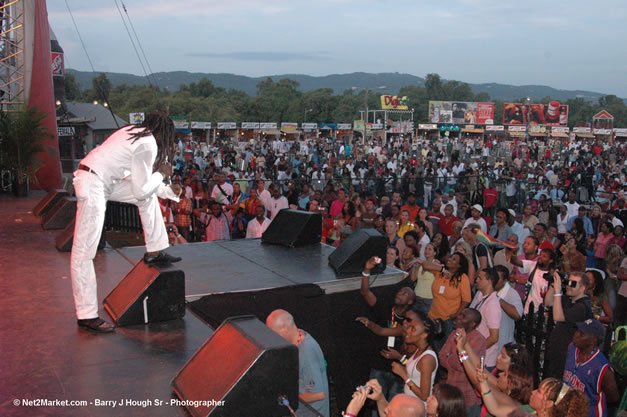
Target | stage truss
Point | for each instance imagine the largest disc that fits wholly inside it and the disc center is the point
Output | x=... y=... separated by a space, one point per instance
x=12 y=67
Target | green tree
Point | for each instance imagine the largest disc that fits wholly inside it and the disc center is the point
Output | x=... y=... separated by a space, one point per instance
x=72 y=87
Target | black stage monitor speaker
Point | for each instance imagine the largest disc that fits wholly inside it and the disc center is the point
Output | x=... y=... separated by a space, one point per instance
x=243 y=368
x=147 y=294
x=351 y=256
x=60 y=215
x=293 y=228
x=49 y=201
x=66 y=236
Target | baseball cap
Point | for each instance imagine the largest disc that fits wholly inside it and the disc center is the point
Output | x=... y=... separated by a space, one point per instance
x=478 y=208
x=591 y=326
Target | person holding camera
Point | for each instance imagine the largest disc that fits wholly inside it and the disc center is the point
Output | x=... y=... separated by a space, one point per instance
x=218 y=223
x=174 y=237
x=570 y=305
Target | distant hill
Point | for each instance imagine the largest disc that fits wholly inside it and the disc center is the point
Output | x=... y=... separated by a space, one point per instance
x=393 y=82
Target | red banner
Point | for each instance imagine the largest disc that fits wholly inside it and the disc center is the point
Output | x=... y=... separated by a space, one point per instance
x=551 y=114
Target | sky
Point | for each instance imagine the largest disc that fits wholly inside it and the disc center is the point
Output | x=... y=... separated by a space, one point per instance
x=565 y=44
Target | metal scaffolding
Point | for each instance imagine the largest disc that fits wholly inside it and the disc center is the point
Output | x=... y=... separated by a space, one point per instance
x=12 y=67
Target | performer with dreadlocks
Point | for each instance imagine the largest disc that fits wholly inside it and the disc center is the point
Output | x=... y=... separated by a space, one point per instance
x=128 y=167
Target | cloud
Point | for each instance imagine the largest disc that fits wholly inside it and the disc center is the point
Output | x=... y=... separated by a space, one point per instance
x=263 y=56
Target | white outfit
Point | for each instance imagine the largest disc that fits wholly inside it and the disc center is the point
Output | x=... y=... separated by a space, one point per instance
x=219 y=196
x=539 y=285
x=122 y=171
x=277 y=204
x=414 y=374
x=508 y=324
x=255 y=229
x=424 y=241
x=481 y=222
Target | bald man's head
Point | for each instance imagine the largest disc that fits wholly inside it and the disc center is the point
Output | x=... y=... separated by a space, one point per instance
x=403 y=405
x=283 y=324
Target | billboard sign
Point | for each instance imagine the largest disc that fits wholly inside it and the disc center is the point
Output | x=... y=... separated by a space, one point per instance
x=461 y=112
x=394 y=103
x=201 y=125
x=551 y=114
x=58 y=68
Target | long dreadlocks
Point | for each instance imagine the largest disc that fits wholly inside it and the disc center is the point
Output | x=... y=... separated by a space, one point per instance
x=161 y=127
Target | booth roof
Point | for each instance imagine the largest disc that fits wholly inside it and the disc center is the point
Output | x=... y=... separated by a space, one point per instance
x=537 y=134
x=472 y=130
x=560 y=135
x=517 y=134
x=586 y=135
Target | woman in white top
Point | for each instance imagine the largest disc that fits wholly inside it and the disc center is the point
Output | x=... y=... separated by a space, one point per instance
x=562 y=221
x=419 y=370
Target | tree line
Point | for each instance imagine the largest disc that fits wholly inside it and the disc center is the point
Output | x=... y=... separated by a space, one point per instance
x=281 y=101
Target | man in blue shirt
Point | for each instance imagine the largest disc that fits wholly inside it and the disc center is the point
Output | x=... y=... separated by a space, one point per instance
x=587 y=223
x=313 y=385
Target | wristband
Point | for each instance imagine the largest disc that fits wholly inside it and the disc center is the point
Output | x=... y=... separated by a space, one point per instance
x=403 y=360
x=408 y=381
x=347 y=414
x=557 y=294
x=463 y=357
x=487 y=392
x=365 y=274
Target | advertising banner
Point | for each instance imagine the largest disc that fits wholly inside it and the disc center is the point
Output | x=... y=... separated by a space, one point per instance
x=65 y=131
x=358 y=125
x=227 y=125
x=201 y=125
x=461 y=112
x=584 y=129
x=267 y=125
x=309 y=126
x=58 y=68
x=289 y=127
x=394 y=103
x=517 y=129
x=250 y=125
x=136 y=118
x=181 y=124
x=495 y=128
x=429 y=126
x=552 y=114
x=344 y=126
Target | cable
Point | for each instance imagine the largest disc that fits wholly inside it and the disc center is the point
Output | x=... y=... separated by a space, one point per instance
x=141 y=48
x=80 y=37
x=133 y=43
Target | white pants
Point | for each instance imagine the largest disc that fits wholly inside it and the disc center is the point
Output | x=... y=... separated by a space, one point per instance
x=91 y=202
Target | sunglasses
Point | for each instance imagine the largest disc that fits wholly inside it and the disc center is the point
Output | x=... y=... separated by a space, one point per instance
x=572 y=283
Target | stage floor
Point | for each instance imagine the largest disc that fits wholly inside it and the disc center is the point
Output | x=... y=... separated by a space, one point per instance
x=245 y=265
x=46 y=358
x=44 y=354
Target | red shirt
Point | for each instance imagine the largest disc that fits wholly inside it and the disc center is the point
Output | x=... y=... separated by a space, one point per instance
x=489 y=197
x=413 y=211
x=445 y=225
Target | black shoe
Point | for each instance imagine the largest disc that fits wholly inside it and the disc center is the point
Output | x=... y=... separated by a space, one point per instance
x=97 y=325
x=161 y=259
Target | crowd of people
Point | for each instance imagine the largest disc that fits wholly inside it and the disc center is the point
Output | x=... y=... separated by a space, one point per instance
x=444 y=204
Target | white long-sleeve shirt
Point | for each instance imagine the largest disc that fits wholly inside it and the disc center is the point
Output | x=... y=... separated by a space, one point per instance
x=119 y=158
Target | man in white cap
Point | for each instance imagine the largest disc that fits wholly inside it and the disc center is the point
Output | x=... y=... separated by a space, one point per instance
x=475 y=212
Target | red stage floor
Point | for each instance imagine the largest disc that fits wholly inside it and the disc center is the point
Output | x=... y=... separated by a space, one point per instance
x=46 y=358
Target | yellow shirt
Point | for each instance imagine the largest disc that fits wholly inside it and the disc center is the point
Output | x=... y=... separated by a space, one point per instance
x=424 y=282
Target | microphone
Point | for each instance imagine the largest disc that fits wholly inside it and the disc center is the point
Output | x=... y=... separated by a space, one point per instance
x=285 y=402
